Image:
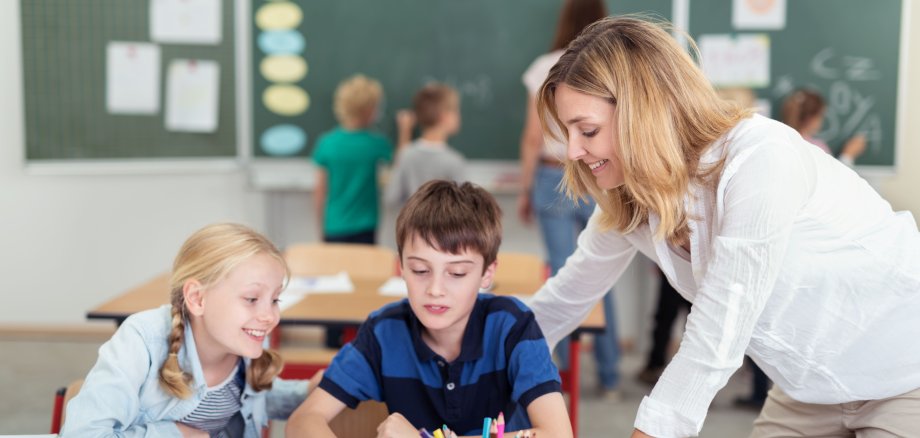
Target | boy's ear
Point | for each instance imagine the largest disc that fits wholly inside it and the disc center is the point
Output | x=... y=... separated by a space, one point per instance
x=193 y=293
x=488 y=275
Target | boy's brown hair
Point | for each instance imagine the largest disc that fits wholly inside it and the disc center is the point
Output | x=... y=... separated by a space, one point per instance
x=432 y=101
x=452 y=217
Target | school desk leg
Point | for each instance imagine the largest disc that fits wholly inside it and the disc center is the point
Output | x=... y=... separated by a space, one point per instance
x=574 y=381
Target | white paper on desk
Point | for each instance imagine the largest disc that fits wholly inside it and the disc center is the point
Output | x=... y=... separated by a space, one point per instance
x=185 y=21
x=289 y=298
x=191 y=95
x=759 y=14
x=324 y=284
x=394 y=287
x=736 y=61
x=132 y=78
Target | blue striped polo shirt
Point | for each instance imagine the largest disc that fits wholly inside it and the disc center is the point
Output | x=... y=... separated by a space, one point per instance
x=504 y=364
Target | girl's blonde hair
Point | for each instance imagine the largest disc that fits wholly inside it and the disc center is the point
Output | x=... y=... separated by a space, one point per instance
x=356 y=98
x=208 y=256
x=668 y=115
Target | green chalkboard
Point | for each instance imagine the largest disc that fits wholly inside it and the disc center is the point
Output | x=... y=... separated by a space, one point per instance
x=481 y=47
x=64 y=75
x=846 y=49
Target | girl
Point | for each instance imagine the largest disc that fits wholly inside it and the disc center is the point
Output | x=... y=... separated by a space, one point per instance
x=803 y=110
x=786 y=254
x=196 y=367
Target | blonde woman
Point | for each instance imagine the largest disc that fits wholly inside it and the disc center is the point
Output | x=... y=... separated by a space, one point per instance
x=786 y=254
x=196 y=368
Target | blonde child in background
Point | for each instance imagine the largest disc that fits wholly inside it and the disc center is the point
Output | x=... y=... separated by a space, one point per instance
x=346 y=197
x=437 y=111
x=196 y=367
x=803 y=110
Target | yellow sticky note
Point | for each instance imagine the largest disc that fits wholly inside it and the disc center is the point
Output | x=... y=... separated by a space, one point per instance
x=278 y=15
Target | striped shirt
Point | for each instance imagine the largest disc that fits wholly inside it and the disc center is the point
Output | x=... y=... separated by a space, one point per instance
x=219 y=405
x=504 y=364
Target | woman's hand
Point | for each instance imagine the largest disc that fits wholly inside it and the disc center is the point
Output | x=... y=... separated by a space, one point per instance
x=396 y=426
x=190 y=432
x=640 y=434
x=525 y=208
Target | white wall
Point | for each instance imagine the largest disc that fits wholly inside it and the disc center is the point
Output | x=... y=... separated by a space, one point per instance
x=903 y=191
x=69 y=243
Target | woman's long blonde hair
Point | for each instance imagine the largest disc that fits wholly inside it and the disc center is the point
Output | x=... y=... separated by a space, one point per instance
x=668 y=115
x=208 y=256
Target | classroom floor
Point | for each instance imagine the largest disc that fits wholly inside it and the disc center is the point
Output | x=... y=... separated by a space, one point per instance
x=32 y=370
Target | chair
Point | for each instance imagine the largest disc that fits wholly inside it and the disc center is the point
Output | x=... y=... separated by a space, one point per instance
x=360 y=261
x=312 y=259
x=518 y=273
x=61 y=397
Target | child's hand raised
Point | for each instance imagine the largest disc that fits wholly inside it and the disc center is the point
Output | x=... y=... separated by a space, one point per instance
x=396 y=426
x=405 y=119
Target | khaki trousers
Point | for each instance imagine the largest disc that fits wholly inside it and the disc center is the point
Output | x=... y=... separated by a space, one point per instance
x=897 y=416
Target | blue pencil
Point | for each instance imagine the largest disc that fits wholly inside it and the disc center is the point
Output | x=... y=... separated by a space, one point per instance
x=486 y=425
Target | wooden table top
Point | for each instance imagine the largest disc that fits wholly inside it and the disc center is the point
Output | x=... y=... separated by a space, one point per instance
x=318 y=309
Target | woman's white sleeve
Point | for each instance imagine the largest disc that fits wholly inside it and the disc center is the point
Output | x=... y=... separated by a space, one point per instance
x=761 y=201
x=589 y=273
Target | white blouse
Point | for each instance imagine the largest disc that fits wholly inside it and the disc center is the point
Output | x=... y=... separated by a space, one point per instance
x=795 y=261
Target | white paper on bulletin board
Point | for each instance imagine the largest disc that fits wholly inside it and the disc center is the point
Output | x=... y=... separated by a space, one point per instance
x=192 y=95
x=759 y=14
x=132 y=78
x=736 y=60
x=185 y=21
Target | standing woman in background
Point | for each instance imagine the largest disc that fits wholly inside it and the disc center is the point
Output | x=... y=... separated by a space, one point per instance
x=786 y=254
x=559 y=218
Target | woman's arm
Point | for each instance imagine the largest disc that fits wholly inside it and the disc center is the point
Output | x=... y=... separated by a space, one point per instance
x=568 y=297
x=531 y=143
x=757 y=213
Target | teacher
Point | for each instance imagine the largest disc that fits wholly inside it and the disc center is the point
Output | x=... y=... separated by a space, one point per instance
x=787 y=255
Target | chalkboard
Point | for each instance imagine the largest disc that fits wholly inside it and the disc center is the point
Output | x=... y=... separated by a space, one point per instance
x=848 y=50
x=64 y=75
x=481 y=47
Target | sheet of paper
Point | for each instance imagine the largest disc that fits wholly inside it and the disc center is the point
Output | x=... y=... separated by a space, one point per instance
x=394 y=287
x=185 y=21
x=192 y=95
x=325 y=284
x=289 y=298
x=736 y=61
x=132 y=74
x=759 y=14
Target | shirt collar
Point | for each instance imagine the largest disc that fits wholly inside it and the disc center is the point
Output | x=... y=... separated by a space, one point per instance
x=471 y=345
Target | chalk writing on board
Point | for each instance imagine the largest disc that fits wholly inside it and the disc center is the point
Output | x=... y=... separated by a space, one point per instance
x=827 y=65
x=476 y=91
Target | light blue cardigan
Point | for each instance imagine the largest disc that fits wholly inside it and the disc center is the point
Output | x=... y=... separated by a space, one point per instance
x=122 y=397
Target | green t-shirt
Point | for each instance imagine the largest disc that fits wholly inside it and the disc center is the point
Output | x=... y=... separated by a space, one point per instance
x=351 y=159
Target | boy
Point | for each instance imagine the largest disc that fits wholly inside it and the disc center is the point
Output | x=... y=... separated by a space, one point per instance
x=347 y=157
x=437 y=111
x=447 y=355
